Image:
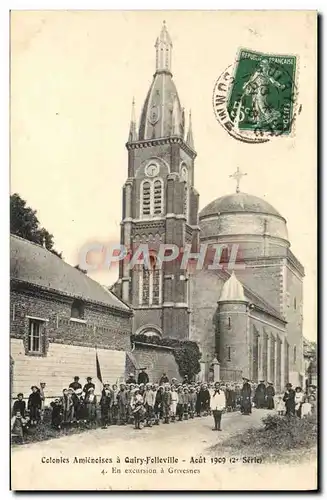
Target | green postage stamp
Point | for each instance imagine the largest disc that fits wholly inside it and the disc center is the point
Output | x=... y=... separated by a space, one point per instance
x=255 y=99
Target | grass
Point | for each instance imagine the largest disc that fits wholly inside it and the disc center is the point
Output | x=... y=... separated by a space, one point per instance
x=279 y=439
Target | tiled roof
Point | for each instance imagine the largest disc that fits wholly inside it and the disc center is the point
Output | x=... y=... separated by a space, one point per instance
x=31 y=263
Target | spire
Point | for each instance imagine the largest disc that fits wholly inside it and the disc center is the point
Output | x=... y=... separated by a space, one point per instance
x=132 y=129
x=176 y=118
x=189 y=137
x=232 y=289
x=163 y=47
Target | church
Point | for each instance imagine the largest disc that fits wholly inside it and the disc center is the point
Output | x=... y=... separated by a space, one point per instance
x=246 y=320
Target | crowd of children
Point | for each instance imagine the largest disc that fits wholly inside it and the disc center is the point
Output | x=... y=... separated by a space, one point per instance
x=143 y=403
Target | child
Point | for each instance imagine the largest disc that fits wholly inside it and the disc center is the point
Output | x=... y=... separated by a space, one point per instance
x=186 y=404
x=174 y=402
x=299 y=398
x=105 y=403
x=180 y=404
x=149 y=400
x=306 y=408
x=158 y=405
x=192 y=401
x=137 y=405
x=56 y=415
x=91 y=408
x=280 y=406
x=166 y=404
x=17 y=427
x=19 y=405
x=34 y=405
x=122 y=399
x=67 y=407
x=114 y=404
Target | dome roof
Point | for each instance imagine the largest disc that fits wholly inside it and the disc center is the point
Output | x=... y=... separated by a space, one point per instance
x=238 y=202
x=232 y=290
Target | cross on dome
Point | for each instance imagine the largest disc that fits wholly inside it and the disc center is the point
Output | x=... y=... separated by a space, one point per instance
x=238 y=176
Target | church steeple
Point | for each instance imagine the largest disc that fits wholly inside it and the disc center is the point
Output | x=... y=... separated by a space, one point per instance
x=163 y=47
x=132 y=136
x=162 y=114
x=189 y=137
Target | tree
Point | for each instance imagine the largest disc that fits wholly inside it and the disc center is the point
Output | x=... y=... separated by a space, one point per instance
x=24 y=223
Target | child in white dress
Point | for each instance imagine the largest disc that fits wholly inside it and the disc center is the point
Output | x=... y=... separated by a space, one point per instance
x=280 y=406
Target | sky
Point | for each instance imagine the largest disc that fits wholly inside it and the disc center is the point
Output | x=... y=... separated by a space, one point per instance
x=73 y=77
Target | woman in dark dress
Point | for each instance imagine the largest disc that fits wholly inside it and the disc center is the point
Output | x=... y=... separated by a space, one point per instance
x=246 y=405
x=270 y=393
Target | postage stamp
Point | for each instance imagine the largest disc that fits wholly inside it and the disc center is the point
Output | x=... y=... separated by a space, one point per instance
x=255 y=99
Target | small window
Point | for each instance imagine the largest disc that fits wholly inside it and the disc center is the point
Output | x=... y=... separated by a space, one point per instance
x=228 y=354
x=229 y=322
x=294 y=354
x=77 y=311
x=294 y=302
x=34 y=335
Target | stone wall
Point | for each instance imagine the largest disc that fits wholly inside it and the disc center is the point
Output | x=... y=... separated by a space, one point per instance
x=156 y=360
x=102 y=327
x=67 y=345
x=60 y=366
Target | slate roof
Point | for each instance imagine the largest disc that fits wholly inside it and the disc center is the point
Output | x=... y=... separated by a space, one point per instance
x=238 y=202
x=253 y=297
x=31 y=263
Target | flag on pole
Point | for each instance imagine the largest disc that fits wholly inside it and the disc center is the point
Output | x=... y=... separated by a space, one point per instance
x=99 y=376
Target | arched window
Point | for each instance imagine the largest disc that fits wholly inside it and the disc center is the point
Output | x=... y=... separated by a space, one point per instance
x=157 y=197
x=152 y=198
x=146 y=198
x=77 y=311
x=150 y=283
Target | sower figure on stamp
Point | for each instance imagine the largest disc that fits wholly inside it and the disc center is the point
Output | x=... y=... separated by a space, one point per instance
x=217 y=405
x=258 y=88
x=246 y=406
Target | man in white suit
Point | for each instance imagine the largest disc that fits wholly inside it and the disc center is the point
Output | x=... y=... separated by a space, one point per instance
x=217 y=405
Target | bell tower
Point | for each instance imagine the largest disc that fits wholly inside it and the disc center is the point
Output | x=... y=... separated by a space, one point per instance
x=160 y=205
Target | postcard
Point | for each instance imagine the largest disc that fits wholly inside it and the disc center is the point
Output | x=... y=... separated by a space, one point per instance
x=163 y=241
